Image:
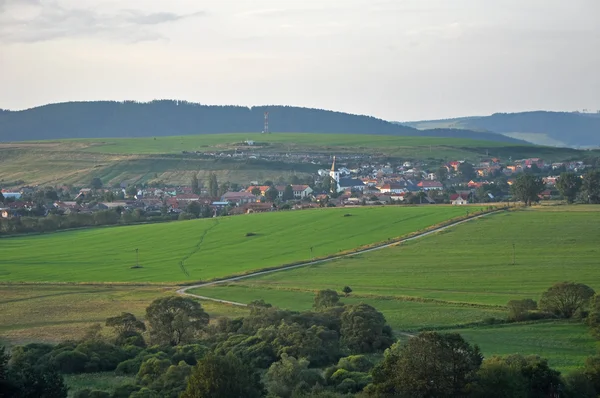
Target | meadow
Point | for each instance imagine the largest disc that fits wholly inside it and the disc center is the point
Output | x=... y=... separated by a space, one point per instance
x=201 y=250
x=54 y=313
x=459 y=278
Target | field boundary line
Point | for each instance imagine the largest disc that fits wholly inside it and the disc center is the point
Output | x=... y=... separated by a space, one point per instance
x=184 y=290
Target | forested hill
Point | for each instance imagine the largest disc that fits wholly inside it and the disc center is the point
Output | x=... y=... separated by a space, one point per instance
x=554 y=128
x=104 y=119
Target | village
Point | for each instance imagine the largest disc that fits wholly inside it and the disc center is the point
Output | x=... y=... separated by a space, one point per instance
x=369 y=183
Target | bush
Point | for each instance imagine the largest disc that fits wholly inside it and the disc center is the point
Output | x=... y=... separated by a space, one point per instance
x=87 y=393
x=71 y=361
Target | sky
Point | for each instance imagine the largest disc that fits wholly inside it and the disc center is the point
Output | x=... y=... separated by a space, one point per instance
x=394 y=59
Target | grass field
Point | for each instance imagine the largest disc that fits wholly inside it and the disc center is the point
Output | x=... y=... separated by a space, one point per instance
x=209 y=248
x=460 y=276
x=137 y=160
x=53 y=313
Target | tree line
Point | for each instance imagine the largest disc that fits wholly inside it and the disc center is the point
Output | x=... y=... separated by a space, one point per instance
x=324 y=352
x=527 y=187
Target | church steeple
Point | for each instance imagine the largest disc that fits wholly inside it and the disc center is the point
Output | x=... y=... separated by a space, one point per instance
x=335 y=175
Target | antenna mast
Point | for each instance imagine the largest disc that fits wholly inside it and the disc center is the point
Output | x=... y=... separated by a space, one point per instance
x=266 y=128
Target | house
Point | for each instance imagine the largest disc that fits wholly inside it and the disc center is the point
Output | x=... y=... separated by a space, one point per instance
x=431 y=176
x=459 y=199
x=262 y=188
x=351 y=183
x=239 y=198
x=474 y=185
x=430 y=185
x=301 y=191
x=11 y=195
x=187 y=197
x=257 y=207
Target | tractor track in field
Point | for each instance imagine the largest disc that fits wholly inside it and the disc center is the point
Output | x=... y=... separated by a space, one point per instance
x=196 y=248
x=184 y=290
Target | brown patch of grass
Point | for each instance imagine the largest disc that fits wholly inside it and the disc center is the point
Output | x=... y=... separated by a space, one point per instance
x=52 y=313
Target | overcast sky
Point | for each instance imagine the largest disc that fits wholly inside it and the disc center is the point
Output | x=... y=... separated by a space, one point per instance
x=394 y=59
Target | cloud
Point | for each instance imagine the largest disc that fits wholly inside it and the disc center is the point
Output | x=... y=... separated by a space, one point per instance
x=49 y=20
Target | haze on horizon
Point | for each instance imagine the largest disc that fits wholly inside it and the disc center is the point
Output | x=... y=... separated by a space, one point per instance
x=393 y=59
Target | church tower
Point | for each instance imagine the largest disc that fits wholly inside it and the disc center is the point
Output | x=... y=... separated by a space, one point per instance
x=335 y=175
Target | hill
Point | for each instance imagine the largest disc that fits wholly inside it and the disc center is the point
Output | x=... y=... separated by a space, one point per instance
x=540 y=127
x=102 y=119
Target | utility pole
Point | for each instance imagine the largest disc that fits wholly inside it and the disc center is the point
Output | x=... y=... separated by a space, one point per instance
x=137 y=258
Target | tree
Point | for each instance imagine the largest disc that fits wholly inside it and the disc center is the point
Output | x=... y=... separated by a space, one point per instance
x=527 y=188
x=590 y=187
x=592 y=370
x=542 y=381
x=430 y=364
x=96 y=183
x=326 y=299
x=568 y=185
x=442 y=174
x=578 y=385
x=195 y=184
x=518 y=310
x=288 y=193
x=467 y=171
x=256 y=191
x=131 y=191
x=272 y=194
x=109 y=196
x=175 y=320
x=496 y=379
x=364 y=329
x=347 y=290
x=194 y=208
x=268 y=183
x=223 y=376
x=290 y=376
x=564 y=299
x=213 y=185
x=38 y=381
x=125 y=322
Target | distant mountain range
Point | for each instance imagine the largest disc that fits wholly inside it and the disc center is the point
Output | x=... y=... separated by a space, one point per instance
x=540 y=127
x=104 y=119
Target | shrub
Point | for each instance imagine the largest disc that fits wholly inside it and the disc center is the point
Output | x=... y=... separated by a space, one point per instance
x=71 y=361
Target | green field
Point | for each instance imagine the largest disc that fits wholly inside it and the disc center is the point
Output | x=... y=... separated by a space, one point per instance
x=457 y=277
x=137 y=160
x=210 y=248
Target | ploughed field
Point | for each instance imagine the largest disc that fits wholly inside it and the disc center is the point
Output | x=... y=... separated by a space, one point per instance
x=201 y=250
x=461 y=277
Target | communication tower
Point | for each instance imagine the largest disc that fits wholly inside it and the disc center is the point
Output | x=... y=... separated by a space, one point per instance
x=266 y=128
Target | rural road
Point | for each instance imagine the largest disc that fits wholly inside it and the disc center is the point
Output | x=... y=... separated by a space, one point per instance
x=183 y=290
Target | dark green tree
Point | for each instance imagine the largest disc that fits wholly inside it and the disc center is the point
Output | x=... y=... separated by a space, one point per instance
x=288 y=193
x=518 y=310
x=223 y=376
x=39 y=381
x=175 y=320
x=291 y=376
x=467 y=171
x=568 y=185
x=194 y=208
x=363 y=329
x=347 y=290
x=527 y=188
x=131 y=191
x=195 y=184
x=578 y=385
x=96 y=183
x=256 y=191
x=272 y=194
x=430 y=364
x=126 y=322
x=592 y=370
x=590 y=187
x=213 y=185
x=542 y=381
x=326 y=299
x=496 y=379
x=564 y=299
x=442 y=174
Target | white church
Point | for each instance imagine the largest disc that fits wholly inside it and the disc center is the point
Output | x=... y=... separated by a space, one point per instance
x=344 y=183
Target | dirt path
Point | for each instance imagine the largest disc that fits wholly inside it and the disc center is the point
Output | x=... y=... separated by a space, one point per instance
x=184 y=290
